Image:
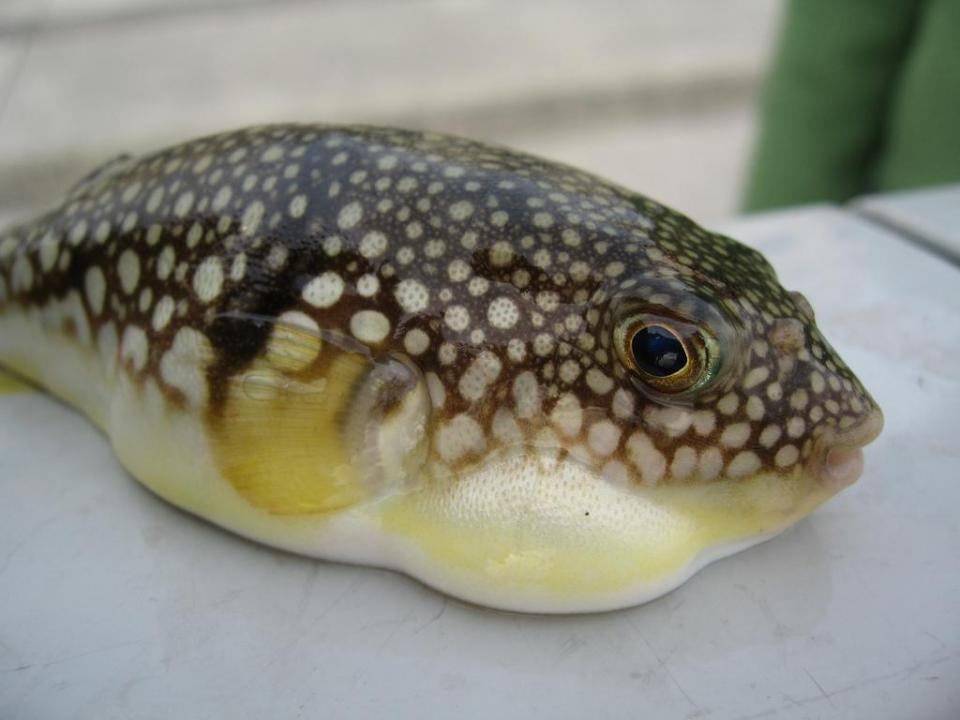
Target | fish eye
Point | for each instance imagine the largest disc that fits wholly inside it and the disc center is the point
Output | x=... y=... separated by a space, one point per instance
x=658 y=351
x=672 y=357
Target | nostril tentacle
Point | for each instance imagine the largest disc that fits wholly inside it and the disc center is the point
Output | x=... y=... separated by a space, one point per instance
x=803 y=305
x=787 y=335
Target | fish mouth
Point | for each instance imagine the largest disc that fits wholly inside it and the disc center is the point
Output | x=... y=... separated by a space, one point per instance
x=837 y=460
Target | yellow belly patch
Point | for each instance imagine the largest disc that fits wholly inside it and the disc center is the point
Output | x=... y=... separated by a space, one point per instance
x=569 y=537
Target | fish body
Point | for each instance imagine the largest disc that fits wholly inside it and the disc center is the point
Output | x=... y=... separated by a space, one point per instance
x=515 y=381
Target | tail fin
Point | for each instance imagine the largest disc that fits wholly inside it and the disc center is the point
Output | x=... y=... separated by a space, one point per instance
x=17 y=267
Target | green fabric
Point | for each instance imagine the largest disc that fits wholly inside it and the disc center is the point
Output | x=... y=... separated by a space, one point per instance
x=863 y=96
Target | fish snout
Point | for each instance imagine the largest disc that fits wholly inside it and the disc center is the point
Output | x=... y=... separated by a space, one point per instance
x=837 y=460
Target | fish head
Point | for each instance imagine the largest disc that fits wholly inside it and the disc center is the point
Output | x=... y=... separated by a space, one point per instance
x=671 y=405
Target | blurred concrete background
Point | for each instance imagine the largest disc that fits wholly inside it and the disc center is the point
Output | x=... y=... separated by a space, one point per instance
x=658 y=96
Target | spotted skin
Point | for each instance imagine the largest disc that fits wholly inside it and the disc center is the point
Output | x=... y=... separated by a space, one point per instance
x=338 y=280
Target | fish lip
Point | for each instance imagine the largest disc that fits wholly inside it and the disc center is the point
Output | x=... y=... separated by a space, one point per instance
x=837 y=460
x=864 y=432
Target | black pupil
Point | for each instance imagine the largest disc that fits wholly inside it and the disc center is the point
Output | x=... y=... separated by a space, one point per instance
x=657 y=351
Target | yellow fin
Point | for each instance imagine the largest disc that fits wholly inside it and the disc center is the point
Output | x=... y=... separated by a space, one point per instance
x=279 y=438
x=10 y=384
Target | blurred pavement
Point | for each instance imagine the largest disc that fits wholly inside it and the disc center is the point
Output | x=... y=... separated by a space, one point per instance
x=656 y=96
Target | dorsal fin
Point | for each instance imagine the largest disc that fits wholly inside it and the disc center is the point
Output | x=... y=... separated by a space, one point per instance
x=100 y=175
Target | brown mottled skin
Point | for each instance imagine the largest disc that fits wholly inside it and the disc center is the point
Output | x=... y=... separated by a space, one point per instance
x=537 y=231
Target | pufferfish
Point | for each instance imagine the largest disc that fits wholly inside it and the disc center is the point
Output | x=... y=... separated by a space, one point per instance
x=519 y=383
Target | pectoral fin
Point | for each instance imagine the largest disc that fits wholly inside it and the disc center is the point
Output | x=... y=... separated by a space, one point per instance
x=299 y=432
x=11 y=384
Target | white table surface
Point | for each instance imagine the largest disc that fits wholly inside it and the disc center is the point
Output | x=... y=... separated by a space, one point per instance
x=931 y=217
x=115 y=605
